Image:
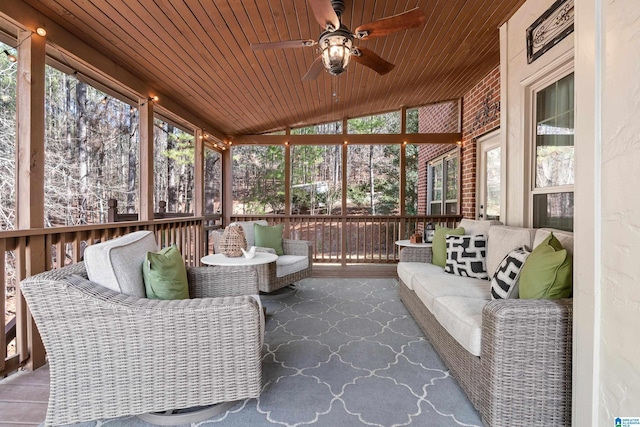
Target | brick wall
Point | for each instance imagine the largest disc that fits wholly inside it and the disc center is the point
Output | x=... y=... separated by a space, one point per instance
x=480 y=114
x=435 y=118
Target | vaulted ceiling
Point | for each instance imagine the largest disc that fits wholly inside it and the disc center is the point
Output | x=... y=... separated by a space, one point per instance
x=198 y=53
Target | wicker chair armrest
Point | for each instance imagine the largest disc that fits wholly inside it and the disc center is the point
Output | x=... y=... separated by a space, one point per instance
x=411 y=254
x=212 y=282
x=526 y=359
x=298 y=247
x=265 y=250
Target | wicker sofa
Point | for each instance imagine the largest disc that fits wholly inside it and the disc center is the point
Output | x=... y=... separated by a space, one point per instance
x=113 y=354
x=512 y=357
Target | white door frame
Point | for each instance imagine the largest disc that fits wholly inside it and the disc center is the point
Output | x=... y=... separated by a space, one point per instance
x=486 y=142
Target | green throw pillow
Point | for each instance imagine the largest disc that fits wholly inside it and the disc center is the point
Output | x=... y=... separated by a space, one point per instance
x=547 y=272
x=165 y=276
x=269 y=236
x=439 y=245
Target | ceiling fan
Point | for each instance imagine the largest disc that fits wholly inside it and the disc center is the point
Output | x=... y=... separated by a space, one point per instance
x=336 y=41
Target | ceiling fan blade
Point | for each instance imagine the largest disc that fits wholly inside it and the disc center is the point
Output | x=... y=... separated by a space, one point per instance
x=324 y=13
x=314 y=71
x=283 y=45
x=382 y=27
x=370 y=59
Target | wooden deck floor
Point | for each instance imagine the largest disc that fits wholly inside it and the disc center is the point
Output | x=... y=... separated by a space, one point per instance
x=23 y=398
x=24 y=395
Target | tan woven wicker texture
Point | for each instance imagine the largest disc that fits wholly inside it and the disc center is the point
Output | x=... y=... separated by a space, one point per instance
x=112 y=355
x=232 y=241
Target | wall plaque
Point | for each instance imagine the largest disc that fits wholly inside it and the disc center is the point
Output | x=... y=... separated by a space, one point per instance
x=554 y=25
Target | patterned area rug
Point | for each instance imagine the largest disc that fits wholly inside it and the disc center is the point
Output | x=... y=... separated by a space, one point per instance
x=346 y=352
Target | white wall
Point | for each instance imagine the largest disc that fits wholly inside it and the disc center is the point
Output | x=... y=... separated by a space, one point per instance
x=606 y=374
x=516 y=76
x=607 y=57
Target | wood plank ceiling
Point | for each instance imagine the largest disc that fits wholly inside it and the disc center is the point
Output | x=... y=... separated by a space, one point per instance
x=197 y=53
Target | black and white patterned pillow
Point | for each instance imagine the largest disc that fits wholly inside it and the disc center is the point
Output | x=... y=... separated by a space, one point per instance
x=466 y=256
x=504 y=283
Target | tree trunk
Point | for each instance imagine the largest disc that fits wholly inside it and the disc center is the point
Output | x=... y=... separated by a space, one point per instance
x=172 y=192
x=83 y=151
x=132 y=163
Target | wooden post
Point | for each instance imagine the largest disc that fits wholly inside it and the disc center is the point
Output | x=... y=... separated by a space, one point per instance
x=287 y=187
x=403 y=172
x=145 y=109
x=344 y=233
x=113 y=210
x=30 y=182
x=199 y=203
x=227 y=187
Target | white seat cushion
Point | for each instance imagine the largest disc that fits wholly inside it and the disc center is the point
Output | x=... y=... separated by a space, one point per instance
x=247 y=226
x=117 y=264
x=462 y=318
x=429 y=288
x=408 y=270
x=417 y=269
x=288 y=264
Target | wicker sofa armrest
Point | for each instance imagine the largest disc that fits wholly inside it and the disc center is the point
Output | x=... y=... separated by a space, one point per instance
x=526 y=361
x=112 y=355
x=211 y=282
x=411 y=254
x=298 y=247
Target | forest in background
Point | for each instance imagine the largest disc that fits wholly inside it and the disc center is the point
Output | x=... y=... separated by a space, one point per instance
x=373 y=172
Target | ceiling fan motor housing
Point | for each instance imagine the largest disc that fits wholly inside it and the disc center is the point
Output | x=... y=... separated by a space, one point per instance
x=338 y=6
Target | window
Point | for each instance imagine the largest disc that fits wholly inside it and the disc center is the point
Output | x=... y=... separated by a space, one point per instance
x=553 y=167
x=258 y=179
x=373 y=178
x=443 y=185
x=380 y=123
x=174 y=168
x=91 y=152
x=316 y=179
x=331 y=128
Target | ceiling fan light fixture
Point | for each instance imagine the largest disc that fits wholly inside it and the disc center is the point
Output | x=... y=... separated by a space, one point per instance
x=336 y=52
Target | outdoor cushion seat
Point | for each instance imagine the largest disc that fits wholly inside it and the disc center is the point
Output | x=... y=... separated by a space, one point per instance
x=430 y=288
x=290 y=264
x=462 y=318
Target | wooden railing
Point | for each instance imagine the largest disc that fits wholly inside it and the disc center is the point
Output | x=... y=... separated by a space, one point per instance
x=352 y=239
x=27 y=252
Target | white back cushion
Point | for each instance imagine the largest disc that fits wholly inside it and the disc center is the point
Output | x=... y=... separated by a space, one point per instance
x=117 y=264
x=247 y=226
x=473 y=227
x=502 y=240
x=564 y=237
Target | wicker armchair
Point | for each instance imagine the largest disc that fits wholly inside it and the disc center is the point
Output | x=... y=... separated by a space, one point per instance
x=284 y=271
x=112 y=354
